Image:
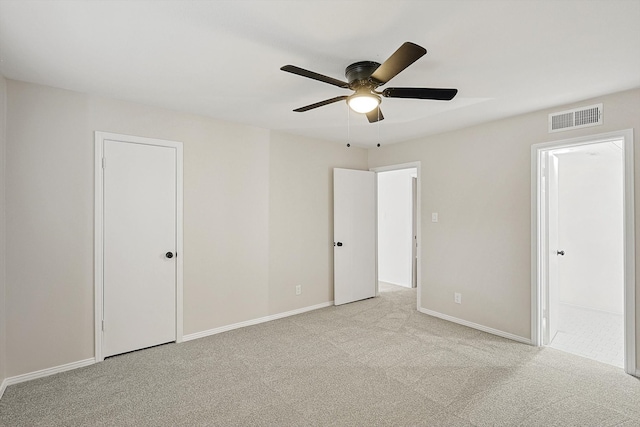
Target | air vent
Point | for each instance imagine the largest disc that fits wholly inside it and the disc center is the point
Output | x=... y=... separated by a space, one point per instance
x=577 y=118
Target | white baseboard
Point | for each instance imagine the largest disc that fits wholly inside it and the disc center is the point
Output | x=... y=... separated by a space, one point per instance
x=251 y=322
x=81 y=363
x=44 y=373
x=475 y=326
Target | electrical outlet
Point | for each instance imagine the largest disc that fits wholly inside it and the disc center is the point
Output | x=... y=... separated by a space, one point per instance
x=434 y=217
x=457 y=298
x=298 y=289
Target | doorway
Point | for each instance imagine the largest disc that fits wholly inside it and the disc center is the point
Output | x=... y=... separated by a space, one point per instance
x=583 y=211
x=138 y=243
x=585 y=225
x=398 y=226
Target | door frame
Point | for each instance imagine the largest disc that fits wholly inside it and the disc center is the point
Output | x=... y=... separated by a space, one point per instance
x=550 y=189
x=100 y=137
x=409 y=165
x=539 y=256
x=414 y=232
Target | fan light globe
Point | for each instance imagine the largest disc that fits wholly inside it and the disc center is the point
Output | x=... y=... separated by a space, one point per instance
x=363 y=102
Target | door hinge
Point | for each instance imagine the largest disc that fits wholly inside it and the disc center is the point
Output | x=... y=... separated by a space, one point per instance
x=104 y=162
x=103 y=326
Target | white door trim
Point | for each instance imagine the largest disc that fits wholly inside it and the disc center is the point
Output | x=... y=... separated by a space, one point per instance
x=538 y=280
x=100 y=137
x=410 y=165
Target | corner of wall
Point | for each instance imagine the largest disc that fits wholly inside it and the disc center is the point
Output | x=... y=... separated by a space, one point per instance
x=3 y=317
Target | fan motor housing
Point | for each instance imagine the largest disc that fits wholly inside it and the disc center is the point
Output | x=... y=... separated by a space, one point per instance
x=359 y=71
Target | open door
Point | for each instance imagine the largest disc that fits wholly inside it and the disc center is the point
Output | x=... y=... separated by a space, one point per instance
x=354 y=233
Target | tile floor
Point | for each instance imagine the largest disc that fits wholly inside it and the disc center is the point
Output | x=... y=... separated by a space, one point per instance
x=591 y=333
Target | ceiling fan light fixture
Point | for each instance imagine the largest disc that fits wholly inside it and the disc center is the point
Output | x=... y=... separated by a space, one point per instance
x=363 y=101
x=364 y=77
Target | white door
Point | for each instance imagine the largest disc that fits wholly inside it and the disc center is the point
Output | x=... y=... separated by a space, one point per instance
x=354 y=233
x=139 y=246
x=552 y=302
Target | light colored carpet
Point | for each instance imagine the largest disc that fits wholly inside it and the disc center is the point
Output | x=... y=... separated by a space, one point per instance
x=376 y=362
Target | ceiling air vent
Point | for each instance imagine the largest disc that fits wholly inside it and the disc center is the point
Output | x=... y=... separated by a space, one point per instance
x=577 y=118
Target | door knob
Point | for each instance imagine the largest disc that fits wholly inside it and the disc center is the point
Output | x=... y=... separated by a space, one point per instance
x=560 y=253
x=169 y=254
x=339 y=244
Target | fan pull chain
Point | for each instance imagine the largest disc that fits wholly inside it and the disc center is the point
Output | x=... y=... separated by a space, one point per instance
x=348 y=127
x=378 y=127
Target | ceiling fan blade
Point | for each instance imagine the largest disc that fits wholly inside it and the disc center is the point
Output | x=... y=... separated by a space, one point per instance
x=320 y=104
x=420 y=93
x=406 y=55
x=315 y=76
x=375 y=115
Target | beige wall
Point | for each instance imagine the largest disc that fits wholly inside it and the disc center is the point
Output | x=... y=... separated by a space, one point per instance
x=301 y=218
x=240 y=183
x=3 y=111
x=258 y=216
x=49 y=228
x=478 y=180
x=226 y=196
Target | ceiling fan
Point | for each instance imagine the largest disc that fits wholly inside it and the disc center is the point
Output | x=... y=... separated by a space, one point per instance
x=365 y=77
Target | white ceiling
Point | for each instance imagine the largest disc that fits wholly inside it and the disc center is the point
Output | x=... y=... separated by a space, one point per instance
x=222 y=58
